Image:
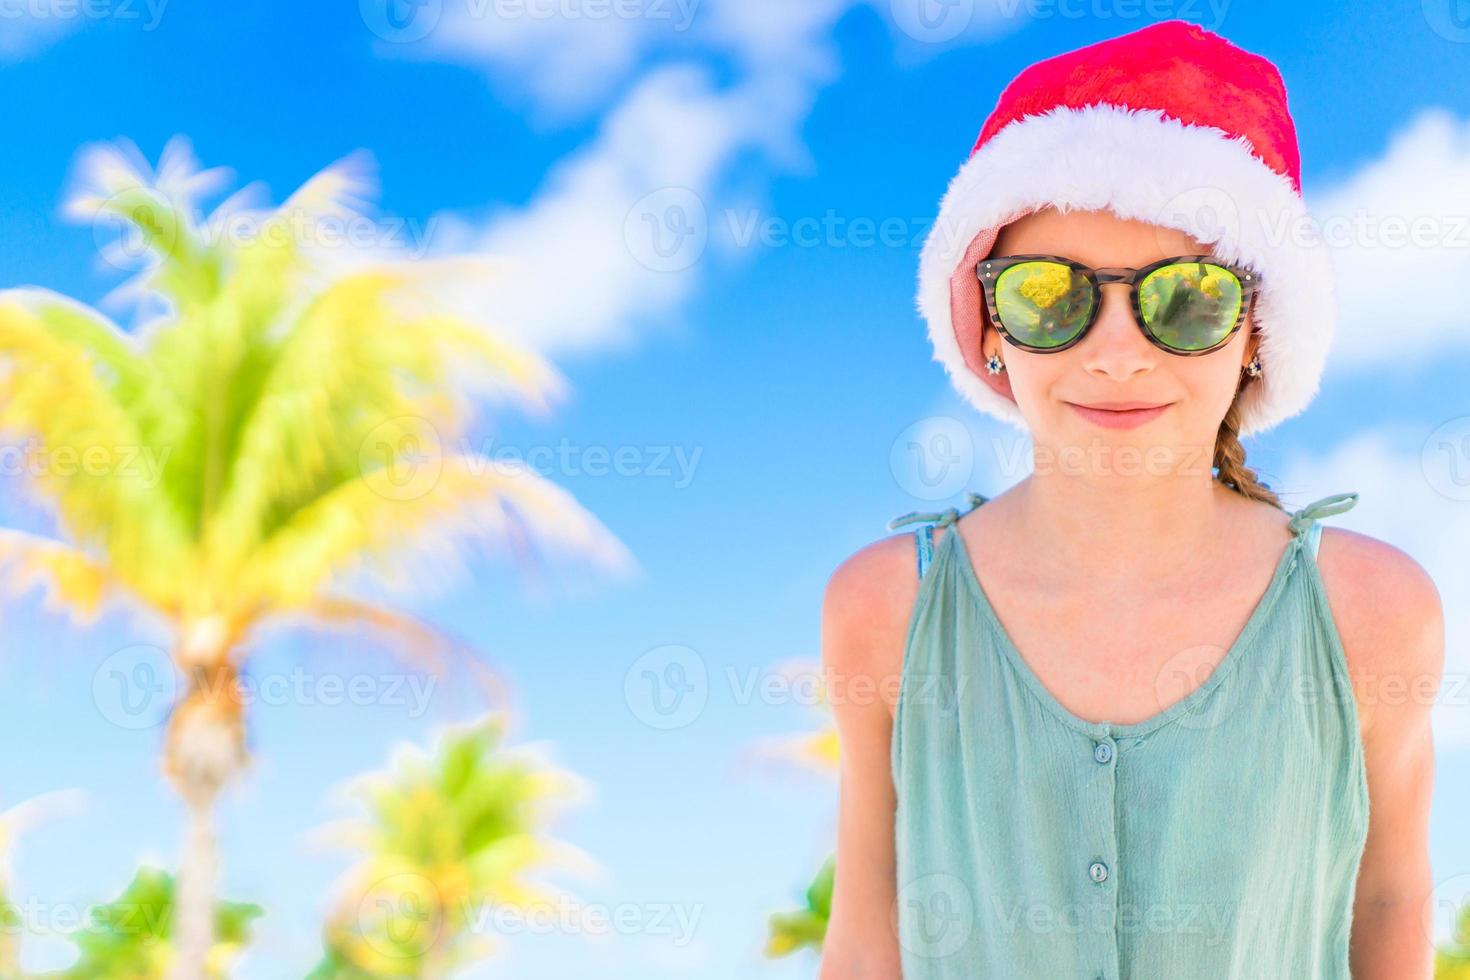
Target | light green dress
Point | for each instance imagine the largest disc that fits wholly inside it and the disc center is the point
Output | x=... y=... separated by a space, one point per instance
x=1219 y=839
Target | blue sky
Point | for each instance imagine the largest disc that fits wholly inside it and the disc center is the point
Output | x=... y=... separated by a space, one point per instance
x=781 y=369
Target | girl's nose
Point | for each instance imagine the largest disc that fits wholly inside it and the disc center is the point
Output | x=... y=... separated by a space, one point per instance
x=1116 y=346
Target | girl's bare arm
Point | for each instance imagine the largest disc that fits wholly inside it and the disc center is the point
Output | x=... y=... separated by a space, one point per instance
x=1391 y=623
x=864 y=620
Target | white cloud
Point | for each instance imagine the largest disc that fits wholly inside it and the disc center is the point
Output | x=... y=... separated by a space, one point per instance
x=690 y=87
x=584 y=275
x=617 y=232
x=1410 y=500
x=568 y=57
x=768 y=33
x=564 y=64
x=1395 y=285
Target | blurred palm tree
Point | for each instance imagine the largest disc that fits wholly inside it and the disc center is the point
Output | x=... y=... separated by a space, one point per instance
x=806 y=927
x=279 y=435
x=132 y=937
x=1452 y=960
x=449 y=838
x=813 y=751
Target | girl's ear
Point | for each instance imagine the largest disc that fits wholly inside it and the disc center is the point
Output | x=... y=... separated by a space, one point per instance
x=968 y=314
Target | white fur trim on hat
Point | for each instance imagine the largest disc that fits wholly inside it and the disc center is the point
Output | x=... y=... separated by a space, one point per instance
x=1145 y=166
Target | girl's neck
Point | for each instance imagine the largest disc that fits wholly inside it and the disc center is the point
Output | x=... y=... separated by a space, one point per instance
x=1121 y=529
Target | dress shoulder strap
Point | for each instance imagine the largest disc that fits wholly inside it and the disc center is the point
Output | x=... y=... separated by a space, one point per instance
x=928 y=520
x=1304 y=522
x=1304 y=519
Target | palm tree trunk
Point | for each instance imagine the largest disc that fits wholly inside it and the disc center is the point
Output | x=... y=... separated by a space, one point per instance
x=205 y=748
x=194 y=891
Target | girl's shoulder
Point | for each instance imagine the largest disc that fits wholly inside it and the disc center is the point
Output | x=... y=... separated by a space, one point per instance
x=866 y=607
x=869 y=598
x=1388 y=614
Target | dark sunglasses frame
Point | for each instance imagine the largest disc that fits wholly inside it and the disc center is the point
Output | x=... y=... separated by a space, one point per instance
x=987 y=270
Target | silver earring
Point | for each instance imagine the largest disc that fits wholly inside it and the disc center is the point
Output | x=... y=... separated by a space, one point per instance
x=994 y=364
x=1254 y=367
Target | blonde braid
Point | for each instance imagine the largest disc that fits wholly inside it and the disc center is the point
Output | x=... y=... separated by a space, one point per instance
x=1230 y=460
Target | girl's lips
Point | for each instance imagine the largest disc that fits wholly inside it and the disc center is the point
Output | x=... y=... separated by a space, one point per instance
x=1119 y=420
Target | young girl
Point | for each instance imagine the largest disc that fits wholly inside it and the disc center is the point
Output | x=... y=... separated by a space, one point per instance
x=1140 y=712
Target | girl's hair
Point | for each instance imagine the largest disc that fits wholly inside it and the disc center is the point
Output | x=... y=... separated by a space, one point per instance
x=1230 y=458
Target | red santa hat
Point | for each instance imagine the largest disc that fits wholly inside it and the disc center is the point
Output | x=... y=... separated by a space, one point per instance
x=1171 y=125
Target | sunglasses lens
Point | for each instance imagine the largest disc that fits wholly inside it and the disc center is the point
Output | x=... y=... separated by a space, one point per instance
x=1190 y=306
x=1041 y=303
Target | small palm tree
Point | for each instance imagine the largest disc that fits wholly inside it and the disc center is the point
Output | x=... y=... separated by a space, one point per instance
x=1452 y=960
x=132 y=937
x=303 y=413
x=448 y=837
x=806 y=927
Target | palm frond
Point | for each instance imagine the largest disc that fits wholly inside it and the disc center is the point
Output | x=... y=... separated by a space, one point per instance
x=84 y=402
x=342 y=190
x=366 y=375
x=401 y=532
x=134 y=936
x=453 y=830
x=419 y=644
x=71 y=580
x=154 y=214
x=805 y=927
